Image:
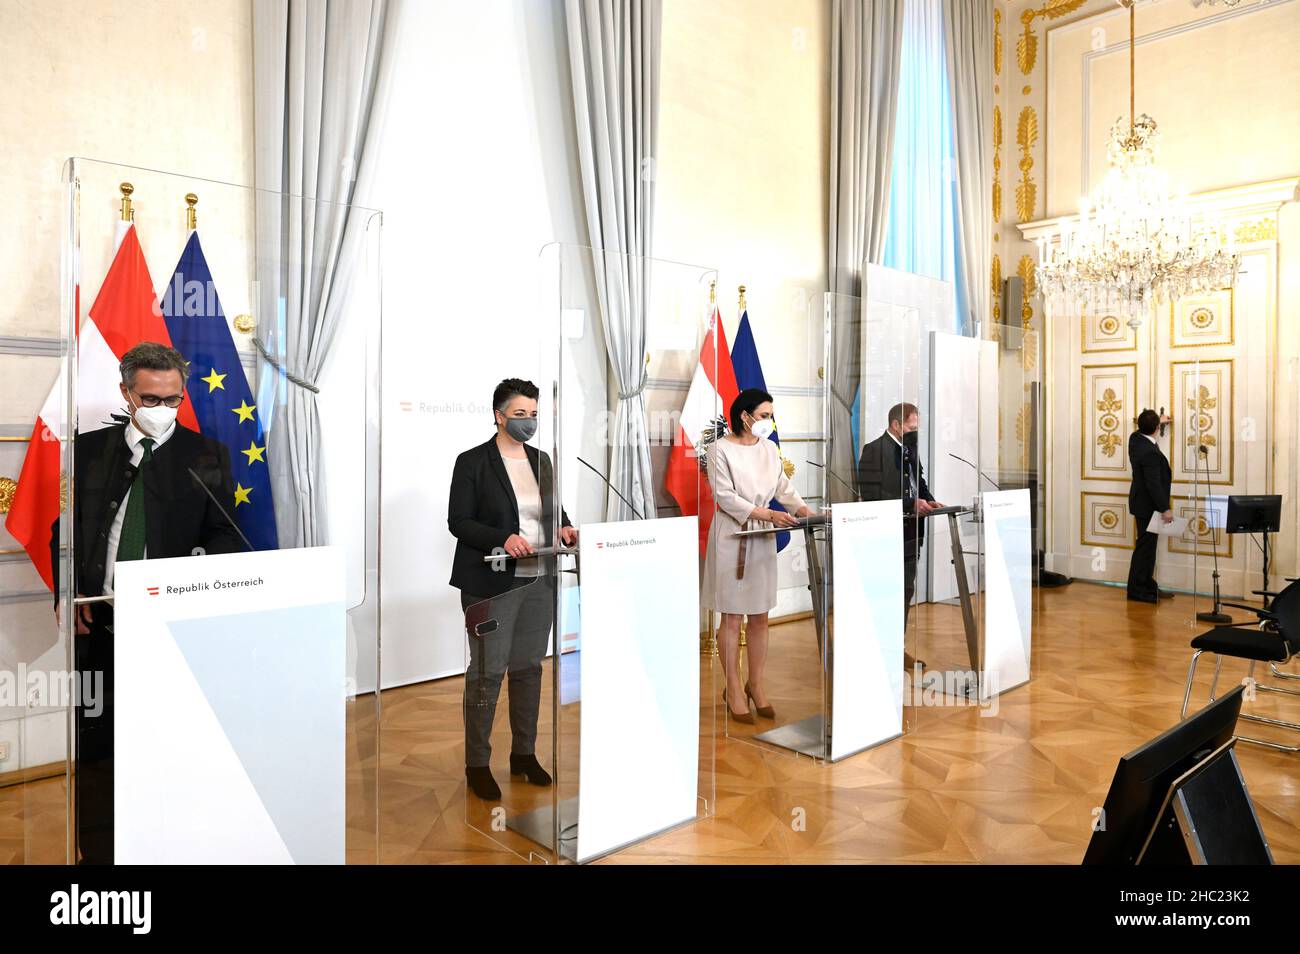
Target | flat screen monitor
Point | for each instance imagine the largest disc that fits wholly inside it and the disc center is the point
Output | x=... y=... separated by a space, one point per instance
x=1255 y=513
x=1142 y=779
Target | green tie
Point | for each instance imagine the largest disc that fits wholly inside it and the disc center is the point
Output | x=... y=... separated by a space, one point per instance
x=130 y=546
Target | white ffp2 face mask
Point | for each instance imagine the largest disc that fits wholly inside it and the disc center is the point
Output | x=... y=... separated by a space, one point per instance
x=762 y=429
x=154 y=421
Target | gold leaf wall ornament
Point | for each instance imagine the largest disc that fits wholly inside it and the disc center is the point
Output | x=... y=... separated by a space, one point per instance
x=1202 y=419
x=1027 y=44
x=1028 y=272
x=1026 y=139
x=8 y=486
x=1263 y=230
x=997 y=41
x=995 y=282
x=1108 y=419
x=997 y=163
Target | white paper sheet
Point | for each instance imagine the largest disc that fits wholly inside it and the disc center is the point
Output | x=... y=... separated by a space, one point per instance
x=1174 y=528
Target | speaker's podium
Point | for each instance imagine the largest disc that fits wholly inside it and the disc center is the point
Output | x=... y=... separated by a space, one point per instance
x=618 y=717
x=861 y=642
x=625 y=714
x=230 y=709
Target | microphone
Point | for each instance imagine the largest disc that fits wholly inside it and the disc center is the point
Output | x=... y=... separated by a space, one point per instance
x=213 y=497
x=853 y=490
x=976 y=469
x=612 y=487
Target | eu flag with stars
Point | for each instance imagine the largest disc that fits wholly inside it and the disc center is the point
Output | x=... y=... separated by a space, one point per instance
x=218 y=390
x=749 y=374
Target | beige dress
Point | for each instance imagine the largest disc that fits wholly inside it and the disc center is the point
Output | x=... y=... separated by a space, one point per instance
x=742 y=478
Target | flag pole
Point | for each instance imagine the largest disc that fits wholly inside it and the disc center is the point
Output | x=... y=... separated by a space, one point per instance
x=191 y=217
x=709 y=636
x=128 y=213
x=741 y=306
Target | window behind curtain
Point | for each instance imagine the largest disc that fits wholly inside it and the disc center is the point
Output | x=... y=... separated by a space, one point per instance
x=921 y=235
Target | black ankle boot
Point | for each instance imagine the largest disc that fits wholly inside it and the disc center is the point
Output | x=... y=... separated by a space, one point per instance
x=530 y=768
x=482 y=784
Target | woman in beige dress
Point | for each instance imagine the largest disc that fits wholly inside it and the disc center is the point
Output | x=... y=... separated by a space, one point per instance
x=745 y=475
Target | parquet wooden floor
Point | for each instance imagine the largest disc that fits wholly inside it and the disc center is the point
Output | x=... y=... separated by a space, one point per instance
x=1018 y=785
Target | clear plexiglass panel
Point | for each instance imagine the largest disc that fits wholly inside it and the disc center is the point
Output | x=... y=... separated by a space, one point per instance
x=222 y=593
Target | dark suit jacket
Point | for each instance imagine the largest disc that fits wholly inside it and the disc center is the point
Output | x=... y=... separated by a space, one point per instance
x=482 y=512
x=881 y=478
x=179 y=516
x=1152 y=477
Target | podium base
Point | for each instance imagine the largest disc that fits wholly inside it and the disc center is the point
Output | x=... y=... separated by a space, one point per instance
x=537 y=826
x=807 y=736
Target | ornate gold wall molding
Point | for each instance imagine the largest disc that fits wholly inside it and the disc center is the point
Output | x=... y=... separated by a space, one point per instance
x=997 y=41
x=1105 y=520
x=1026 y=139
x=1201 y=321
x=997 y=164
x=1109 y=397
x=1027 y=43
x=995 y=280
x=1260 y=230
x=1201 y=536
x=1203 y=416
x=1105 y=333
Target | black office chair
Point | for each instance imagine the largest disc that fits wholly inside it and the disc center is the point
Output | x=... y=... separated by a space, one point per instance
x=1275 y=640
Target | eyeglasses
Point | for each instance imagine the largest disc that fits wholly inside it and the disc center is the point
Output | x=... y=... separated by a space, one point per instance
x=152 y=400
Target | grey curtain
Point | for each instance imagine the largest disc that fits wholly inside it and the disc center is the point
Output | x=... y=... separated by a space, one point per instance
x=614 y=62
x=968 y=43
x=317 y=65
x=866 y=45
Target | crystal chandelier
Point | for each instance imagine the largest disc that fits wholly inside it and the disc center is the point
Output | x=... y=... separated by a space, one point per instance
x=1134 y=245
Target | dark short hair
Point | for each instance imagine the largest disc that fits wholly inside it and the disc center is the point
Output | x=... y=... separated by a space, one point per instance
x=508 y=389
x=901 y=412
x=745 y=403
x=1148 y=421
x=152 y=356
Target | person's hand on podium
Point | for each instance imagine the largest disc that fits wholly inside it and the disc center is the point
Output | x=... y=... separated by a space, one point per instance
x=923 y=507
x=778 y=518
x=569 y=536
x=80 y=614
x=517 y=546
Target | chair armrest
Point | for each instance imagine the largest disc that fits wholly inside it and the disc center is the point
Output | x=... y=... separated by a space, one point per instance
x=1263 y=592
x=1261 y=613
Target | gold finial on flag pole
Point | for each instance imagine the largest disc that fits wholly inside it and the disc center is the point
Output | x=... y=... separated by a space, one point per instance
x=713 y=292
x=742 y=298
x=128 y=214
x=191 y=219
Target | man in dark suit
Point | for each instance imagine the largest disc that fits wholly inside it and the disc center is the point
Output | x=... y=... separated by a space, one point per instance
x=890 y=469
x=1148 y=495
x=134 y=498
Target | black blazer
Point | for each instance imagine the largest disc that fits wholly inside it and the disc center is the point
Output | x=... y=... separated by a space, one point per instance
x=1152 y=477
x=482 y=512
x=881 y=478
x=179 y=516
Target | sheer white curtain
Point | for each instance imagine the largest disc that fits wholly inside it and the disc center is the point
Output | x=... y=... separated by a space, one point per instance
x=921 y=233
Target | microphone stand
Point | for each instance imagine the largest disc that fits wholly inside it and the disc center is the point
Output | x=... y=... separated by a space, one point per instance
x=1215 y=616
x=639 y=516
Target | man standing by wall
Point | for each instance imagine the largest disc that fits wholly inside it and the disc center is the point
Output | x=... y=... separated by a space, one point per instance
x=1149 y=494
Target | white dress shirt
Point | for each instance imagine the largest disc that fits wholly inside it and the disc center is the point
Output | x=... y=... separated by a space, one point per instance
x=133 y=437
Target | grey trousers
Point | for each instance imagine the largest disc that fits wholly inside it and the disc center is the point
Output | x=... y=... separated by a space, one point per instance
x=515 y=632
